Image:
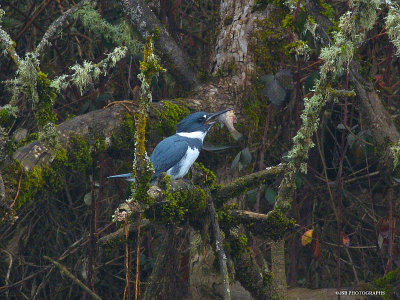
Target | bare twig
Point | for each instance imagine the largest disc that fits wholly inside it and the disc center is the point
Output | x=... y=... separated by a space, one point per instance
x=67 y=273
x=126 y=289
x=137 y=290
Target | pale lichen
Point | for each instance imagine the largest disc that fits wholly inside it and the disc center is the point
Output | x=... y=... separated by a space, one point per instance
x=88 y=73
x=337 y=58
x=119 y=34
x=393 y=26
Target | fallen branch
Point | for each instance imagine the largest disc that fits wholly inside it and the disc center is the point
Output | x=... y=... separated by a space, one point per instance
x=67 y=273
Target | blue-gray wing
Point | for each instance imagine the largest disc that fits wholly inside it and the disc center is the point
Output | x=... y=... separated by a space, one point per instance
x=168 y=153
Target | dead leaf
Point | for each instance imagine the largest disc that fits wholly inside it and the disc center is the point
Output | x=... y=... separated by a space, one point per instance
x=316 y=249
x=306 y=238
x=345 y=240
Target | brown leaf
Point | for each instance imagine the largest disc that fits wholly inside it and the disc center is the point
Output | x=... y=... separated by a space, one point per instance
x=316 y=249
x=345 y=240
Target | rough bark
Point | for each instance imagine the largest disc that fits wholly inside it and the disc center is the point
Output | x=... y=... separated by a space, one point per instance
x=232 y=47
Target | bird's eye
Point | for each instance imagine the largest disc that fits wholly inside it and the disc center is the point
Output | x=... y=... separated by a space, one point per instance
x=202 y=118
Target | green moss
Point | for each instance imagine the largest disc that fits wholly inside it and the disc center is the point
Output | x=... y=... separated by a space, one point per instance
x=171 y=114
x=326 y=9
x=239 y=244
x=386 y=283
x=31 y=184
x=124 y=143
x=181 y=204
x=47 y=96
x=80 y=155
x=269 y=41
x=225 y=218
x=274 y=228
x=54 y=176
x=268 y=278
x=203 y=176
x=6 y=119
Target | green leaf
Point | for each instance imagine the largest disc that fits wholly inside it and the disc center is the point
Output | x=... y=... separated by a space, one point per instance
x=235 y=161
x=309 y=83
x=299 y=180
x=273 y=90
x=270 y=195
x=251 y=196
x=245 y=157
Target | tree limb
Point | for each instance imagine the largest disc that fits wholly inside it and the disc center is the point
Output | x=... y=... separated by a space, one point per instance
x=146 y=22
x=240 y=184
x=52 y=30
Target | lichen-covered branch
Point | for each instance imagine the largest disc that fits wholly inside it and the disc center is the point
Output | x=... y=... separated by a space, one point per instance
x=142 y=170
x=146 y=23
x=8 y=43
x=55 y=26
x=119 y=35
x=89 y=72
x=337 y=59
x=393 y=26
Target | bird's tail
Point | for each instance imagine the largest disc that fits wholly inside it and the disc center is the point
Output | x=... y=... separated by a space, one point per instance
x=128 y=176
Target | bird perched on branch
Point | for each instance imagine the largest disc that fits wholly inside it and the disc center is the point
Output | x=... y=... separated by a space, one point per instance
x=177 y=153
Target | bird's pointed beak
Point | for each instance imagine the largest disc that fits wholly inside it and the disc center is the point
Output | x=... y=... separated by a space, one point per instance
x=211 y=118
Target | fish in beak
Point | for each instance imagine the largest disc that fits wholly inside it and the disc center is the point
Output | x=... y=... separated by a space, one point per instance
x=212 y=118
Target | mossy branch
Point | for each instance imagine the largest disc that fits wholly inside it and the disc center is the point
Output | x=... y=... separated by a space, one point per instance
x=8 y=43
x=241 y=184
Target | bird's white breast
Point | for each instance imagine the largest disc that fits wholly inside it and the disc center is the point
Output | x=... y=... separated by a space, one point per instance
x=185 y=163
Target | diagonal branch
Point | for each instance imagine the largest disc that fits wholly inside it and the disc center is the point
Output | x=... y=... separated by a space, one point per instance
x=146 y=22
x=52 y=30
x=67 y=273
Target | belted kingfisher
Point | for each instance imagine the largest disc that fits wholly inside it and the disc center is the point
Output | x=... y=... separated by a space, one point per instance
x=176 y=154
